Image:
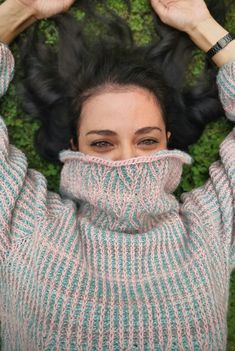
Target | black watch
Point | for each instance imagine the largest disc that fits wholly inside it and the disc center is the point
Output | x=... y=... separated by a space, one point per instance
x=220 y=45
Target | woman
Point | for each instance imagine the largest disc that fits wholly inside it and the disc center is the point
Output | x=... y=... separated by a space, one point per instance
x=130 y=268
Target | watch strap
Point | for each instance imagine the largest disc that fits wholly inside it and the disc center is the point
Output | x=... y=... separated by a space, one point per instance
x=221 y=44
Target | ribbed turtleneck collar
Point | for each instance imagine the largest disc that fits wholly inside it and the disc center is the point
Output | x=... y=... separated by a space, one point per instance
x=127 y=196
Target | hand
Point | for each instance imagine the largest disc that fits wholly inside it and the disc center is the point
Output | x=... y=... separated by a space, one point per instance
x=46 y=8
x=183 y=15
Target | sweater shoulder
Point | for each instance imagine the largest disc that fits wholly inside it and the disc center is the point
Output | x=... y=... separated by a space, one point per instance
x=24 y=197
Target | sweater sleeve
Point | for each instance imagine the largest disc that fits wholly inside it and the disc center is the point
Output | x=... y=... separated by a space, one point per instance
x=222 y=173
x=25 y=202
x=215 y=201
x=6 y=68
x=226 y=86
x=13 y=164
x=24 y=198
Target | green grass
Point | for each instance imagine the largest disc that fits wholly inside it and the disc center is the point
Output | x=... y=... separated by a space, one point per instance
x=204 y=152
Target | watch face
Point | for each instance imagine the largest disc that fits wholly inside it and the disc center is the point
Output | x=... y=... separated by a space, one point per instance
x=222 y=42
x=220 y=45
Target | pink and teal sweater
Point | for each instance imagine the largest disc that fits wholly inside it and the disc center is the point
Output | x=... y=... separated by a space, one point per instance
x=115 y=262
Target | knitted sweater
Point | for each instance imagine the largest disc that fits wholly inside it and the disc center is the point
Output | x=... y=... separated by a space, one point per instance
x=115 y=262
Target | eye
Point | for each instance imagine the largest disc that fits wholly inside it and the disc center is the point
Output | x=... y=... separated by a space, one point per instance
x=149 y=141
x=101 y=144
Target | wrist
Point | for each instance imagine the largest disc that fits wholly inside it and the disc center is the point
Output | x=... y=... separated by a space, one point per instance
x=14 y=18
x=206 y=34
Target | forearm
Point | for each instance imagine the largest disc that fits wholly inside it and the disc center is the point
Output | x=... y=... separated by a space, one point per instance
x=206 y=34
x=14 y=18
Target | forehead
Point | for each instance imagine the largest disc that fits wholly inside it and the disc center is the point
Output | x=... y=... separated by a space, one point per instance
x=128 y=105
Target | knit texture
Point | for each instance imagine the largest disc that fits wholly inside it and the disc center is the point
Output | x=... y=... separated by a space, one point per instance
x=115 y=262
x=7 y=68
x=125 y=196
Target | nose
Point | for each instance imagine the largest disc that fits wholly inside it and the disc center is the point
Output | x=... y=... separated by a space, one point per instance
x=125 y=153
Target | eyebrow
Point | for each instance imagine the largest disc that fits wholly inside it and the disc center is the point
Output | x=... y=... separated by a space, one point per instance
x=111 y=132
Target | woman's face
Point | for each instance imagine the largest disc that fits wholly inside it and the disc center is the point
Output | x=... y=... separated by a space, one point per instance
x=121 y=123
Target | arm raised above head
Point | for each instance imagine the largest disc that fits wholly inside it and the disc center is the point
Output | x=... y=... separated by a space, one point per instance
x=17 y=15
x=214 y=202
x=194 y=18
x=23 y=192
x=14 y=18
x=45 y=8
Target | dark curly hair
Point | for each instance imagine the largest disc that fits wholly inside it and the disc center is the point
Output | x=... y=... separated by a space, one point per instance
x=58 y=81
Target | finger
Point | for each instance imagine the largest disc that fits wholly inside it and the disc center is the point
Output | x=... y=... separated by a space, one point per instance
x=159 y=7
x=67 y=4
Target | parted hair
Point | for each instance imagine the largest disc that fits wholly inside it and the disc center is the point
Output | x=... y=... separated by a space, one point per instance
x=57 y=80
